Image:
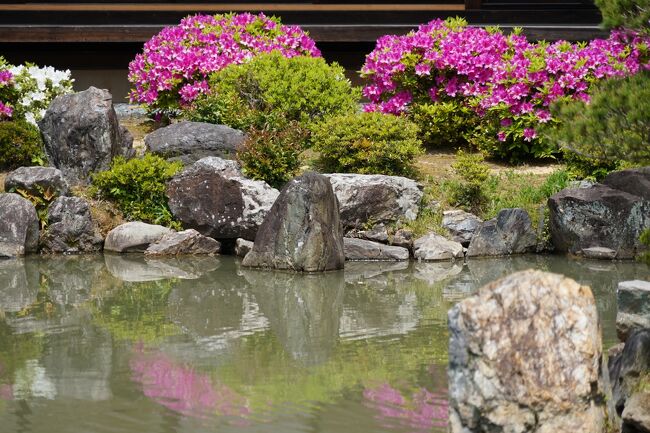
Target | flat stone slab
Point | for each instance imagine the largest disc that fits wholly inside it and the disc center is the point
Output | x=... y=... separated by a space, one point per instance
x=361 y=249
x=134 y=236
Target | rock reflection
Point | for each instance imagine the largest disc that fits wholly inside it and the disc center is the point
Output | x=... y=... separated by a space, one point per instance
x=137 y=268
x=16 y=290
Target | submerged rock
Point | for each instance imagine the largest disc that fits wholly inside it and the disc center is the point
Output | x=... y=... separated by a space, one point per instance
x=134 y=236
x=70 y=228
x=82 y=135
x=461 y=225
x=633 y=299
x=511 y=232
x=375 y=198
x=434 y=247
x=190 y=141
x=183 y=243
x=19 y=230
x=213 y=197
x=524 y=356
x=361 y=249
x=302 y=231
x=37 y=181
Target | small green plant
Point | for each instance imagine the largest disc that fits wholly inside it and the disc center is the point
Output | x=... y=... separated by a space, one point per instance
x=41 y=198
x=645 y=256
x=444 y=124
x=272 y=89
x=368 y=143
x=20 y=144
x=468 y=190
x=137 y=187
x=273 y=155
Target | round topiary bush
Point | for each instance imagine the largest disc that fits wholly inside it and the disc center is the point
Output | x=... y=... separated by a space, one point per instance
x=21 y=144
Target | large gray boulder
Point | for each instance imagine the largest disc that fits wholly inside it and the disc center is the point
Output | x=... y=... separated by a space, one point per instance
x=524 y=356
x=302 y=231
x=361 y=249
x=635 y=181
x=82 y=135
x=433 y=247
x=70 y=228
x=630 y=366
x=134 y=236
x=511 y=232
x=461 y=225
x=375 y=198
x=633 y=301
x=600 y=216
x=19 y=227
x=37 y=181
x=187 y=242
x=190 y=141
x=214 y=198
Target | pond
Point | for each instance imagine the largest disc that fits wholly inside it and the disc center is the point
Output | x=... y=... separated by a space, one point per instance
x=126 y=344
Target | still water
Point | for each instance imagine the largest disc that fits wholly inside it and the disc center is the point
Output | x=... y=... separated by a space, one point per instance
x=123 y=344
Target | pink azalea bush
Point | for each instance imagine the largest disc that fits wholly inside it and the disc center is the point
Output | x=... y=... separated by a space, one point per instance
x=507 y=82
x=175 y=64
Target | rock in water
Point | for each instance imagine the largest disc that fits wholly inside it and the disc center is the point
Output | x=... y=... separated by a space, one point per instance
x=511 y=232
x=82 y=135
x=183 y=243
x=37 y=181
x=375 y=198
x=524 y=356
x=19 y=226
x=628 y=367
x=361 y=249
x=134 y=236
x=633 y=307
x=70 y=228
x=302 y=231
x=190 y=141
x=214 y=198
x=433 y=247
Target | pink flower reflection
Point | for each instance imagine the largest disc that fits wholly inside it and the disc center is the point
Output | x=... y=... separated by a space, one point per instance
x=182 y=389
x=424 y=410
x=6 y=392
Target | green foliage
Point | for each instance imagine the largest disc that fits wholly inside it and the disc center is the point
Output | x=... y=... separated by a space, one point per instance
x=272 y=90
x=645 y=240
x=468 y=190
x=273 y=155
x=580 y=167
x=368 y=143
x=40 y=198
x=634 y=14
x=20 y=144
x=615 y=126
x=444 y=124
x=137 y=187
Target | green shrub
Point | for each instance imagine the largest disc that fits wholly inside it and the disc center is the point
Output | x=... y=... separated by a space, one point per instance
x=272 y=89
x=273 y=155
x=614 y=126
x=645 y=240
x=468 y=190
x=368 y=143
x=580 y=167
x=444 y=124
x=633 y=14
x=20 y=145
x=137 y=187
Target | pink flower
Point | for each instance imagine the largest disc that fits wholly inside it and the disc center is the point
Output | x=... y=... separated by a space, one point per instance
x=501 y=136
x=529 y=134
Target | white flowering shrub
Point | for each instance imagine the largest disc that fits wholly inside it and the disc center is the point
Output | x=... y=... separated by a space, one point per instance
x=26 y=91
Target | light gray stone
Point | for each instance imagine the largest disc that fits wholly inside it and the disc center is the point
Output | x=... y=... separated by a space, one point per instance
x=361 y=249
x=37 y=181
x=19 y=227
x=461 y=225
x=511 y=232
x=134 y=236
x=433 y=247
x=378 y=233
x=186 y=242
x=633 y=301
x=524 y=356
x=599 y=253
x=243 y=247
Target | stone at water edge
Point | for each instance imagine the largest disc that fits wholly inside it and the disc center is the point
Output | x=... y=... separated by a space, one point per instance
x=243 y=247
x=37 y=181
x=186 y=242
x=82 y=135
x=626 y=368
x=19 y=226
x=433 y=247
x=189 y=142
x=361 y=249
x=461 y=225
x=599 y=253
x=636 y=416
x=633 y=307
x=302 y=231
x=70 y=228
x=134 y=236
x=511 y=232
x=524 y=356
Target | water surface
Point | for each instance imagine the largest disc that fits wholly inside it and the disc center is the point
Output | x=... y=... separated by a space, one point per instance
x=126 y=344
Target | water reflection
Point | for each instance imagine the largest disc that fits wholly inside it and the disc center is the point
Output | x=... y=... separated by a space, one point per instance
x=157 y=345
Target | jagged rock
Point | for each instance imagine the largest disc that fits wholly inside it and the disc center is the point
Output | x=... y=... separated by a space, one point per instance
x=636 y=416
x=70 y=228
x=633 y=299
x=361 y=249
x=599 y=216
x=134 y=236
x=434 y=247
x=37 y=181
x=183 y=243
x=212 y=197
x=511 y=232
x=378 y=233
x=242 y=247
x=190 y=141
x=373 y=198
x=635 y=181
x=461 y=225
x=19 y=230
x=402 y=238
x=599 y=253
x=626 y=369
x=82 y=135
x=302 y=231
x=524 y=356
